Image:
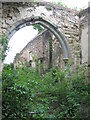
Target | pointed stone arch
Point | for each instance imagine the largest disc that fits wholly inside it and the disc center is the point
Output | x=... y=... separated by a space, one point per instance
x=47 y=24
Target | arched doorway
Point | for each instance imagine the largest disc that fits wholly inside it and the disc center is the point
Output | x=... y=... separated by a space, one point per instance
x=47 y=24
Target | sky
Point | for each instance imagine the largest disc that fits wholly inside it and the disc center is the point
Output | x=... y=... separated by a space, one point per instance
x=20 y=39
x=72 y=3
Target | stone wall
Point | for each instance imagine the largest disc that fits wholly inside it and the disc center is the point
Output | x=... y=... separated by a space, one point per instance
x=38 y=50
x=66 y=21
x=83 y=20
x=71 y=23
x=0 y=38
x=85 y=38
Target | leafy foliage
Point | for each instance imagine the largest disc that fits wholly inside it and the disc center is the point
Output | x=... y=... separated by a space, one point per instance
x=50 y=53
x=51 y=95
x=37 y=27
x=4 y=47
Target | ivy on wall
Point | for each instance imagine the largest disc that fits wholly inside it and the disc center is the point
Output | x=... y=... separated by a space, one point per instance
x=4 y=46
x=50 y=53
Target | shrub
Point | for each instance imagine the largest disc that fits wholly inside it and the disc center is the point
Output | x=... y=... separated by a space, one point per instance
x=59 y=94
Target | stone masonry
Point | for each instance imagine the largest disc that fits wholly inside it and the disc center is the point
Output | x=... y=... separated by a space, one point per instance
x=63 y=22
x=39 y=50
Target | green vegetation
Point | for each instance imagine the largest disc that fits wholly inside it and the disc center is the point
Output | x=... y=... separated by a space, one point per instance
x=50 y=53
x=59 y=94
x=4 y=47
x=60 y=3
x=38 y=27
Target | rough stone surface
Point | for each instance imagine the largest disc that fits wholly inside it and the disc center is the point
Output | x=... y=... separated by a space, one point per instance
x=84 y=35
x=0 y=38
x=65 y=20
x=39 y=50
